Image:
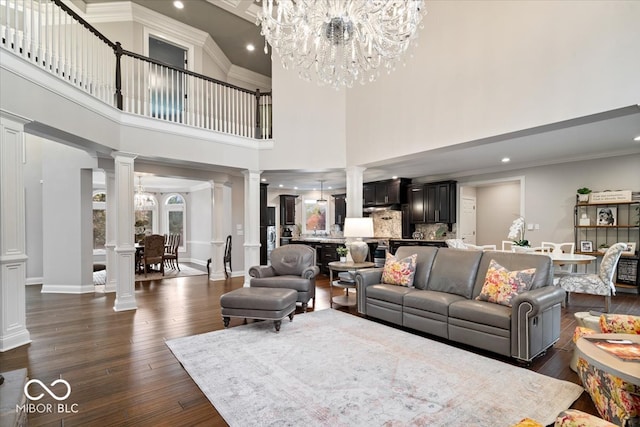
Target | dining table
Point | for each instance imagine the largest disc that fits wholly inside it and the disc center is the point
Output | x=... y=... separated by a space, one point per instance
x=560 y=258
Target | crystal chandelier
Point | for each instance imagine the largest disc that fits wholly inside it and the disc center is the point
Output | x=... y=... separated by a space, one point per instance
x=142 y=201
x=341 y=41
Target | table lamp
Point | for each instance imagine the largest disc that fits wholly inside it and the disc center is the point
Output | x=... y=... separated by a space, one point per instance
x=358 y=228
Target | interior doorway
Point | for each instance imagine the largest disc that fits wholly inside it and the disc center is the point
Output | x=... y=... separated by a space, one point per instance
x=169 y=85
x=497 y=204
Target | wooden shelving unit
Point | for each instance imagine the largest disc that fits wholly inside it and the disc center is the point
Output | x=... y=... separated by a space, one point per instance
x=625 y=229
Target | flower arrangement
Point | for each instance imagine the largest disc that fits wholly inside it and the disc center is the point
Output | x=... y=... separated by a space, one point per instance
x=516 y=232
x=342 y=250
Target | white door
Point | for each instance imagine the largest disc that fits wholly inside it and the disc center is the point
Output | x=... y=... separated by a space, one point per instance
x=467 y=227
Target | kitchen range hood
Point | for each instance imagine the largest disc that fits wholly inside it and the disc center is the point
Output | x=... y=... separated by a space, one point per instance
x=392 y=207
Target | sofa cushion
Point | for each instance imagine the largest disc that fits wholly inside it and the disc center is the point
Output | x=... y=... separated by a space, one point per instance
x=454 y=271
x=426 y=255
x=516 y=261
x=432 y=301
x=481 y=313
x=289 y=282
x=501 y=286
x=391 y=293
x=399 y=271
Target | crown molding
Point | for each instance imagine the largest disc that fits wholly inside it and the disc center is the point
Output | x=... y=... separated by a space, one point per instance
x=254 y=79
x=211 y=48
x=128 y=11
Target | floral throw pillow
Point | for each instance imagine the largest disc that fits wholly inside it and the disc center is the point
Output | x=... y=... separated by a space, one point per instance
x=501 y=286
x=399 y=272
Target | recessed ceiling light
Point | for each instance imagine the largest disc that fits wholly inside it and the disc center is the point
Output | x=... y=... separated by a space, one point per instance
x=637 y=138
x=264 y=180
x=394 y=177
x=280 y=185
x=505 y=160
x=251 y=47
x=178 y=4
x=295 y=188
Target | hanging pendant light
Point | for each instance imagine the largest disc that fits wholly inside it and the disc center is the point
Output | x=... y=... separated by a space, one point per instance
x=321 y=200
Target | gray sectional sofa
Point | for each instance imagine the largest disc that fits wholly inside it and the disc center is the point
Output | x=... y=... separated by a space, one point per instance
x=442 y=301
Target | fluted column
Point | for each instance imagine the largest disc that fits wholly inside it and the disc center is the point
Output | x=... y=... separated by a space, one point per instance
x=251 y=221
x=354 y=191
x=13 y=256
x=110 y=244
x=125 y=251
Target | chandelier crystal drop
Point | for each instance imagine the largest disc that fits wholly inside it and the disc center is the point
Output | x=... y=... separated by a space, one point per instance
x=142 y=200
x=340 y=41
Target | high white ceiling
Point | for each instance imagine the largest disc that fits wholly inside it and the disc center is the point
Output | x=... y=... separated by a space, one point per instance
x=232 y=24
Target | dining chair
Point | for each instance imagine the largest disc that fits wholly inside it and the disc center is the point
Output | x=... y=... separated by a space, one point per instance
x=507 y=245
x=171 y=250
x=566 y=248
x=596 y=284
x=227 y=257
x=153 y=252
x=480 y=247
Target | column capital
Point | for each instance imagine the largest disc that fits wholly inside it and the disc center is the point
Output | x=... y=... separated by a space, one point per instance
x=122 y=155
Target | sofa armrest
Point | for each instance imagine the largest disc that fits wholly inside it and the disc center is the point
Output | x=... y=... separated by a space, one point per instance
x=310 y=272
x=537 y=300
x=366 y=277
x=260 y=271
x=535 y=321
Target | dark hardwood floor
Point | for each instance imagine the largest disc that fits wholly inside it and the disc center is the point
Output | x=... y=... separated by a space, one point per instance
x=122 y=373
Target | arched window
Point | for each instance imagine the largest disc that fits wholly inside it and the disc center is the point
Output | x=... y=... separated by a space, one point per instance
x=146 y=215
x=175 y=217
x=99 y=220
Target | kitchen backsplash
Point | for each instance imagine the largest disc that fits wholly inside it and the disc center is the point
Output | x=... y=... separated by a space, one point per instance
x=387 y=224
x=436 y=231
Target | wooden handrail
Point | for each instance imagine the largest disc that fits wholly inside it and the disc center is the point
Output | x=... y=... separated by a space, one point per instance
x=84 y=23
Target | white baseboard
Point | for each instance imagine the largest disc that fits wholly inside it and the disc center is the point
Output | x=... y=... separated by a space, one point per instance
x=34 y=281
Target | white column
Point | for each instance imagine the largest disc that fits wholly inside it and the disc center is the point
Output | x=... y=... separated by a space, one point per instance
x=354 y=191
x=125 y=251
x=220 y=226
x=110 y=244
x=251 y=221
x=13 y=257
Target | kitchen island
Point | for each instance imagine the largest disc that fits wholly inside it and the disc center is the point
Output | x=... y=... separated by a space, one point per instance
x=394 y=244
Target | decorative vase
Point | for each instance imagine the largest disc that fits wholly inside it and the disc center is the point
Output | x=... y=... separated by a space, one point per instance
x=583 y=198
x=343 y=259
x=521 y=249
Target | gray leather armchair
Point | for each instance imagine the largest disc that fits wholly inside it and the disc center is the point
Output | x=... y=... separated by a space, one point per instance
x=292 y=267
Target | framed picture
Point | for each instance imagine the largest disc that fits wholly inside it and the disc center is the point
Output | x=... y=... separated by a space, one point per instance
x=631 y=248
x=586 y=246
x=607 y=216
x=315 y=217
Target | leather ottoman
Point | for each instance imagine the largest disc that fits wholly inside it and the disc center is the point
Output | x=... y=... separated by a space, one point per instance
x=259 y=303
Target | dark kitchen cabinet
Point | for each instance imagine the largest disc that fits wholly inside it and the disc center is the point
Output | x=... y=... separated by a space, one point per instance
x=369 y=194
x=384 y=193
x=432 y=203
x=288 y=209
x=340 y=209
x=263 y=224
x=417 y=203
x=441 y=202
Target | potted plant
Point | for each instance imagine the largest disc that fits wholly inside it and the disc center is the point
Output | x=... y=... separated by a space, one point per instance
x=516 y=234
x=583 y=194
x=342 y=252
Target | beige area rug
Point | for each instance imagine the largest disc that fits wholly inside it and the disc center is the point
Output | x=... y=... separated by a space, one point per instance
x=100 y=277
x=329 y=368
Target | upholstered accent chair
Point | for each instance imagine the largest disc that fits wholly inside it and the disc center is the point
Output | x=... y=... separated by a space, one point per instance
x=596 y=284
x=616 y=400
x=292 y=267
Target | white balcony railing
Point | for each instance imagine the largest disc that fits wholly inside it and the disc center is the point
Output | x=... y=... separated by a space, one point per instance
x=53 y=37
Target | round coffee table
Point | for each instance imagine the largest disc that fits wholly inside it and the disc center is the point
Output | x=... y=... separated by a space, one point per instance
x=344 y=300
x=626 y=370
